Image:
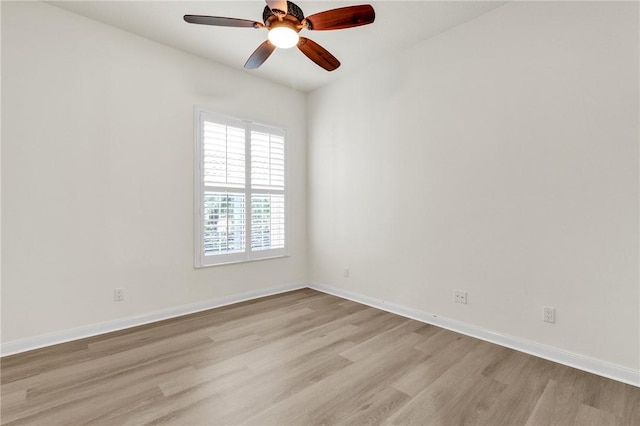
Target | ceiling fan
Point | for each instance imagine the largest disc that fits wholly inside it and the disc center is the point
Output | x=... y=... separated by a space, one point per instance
x=285 y=20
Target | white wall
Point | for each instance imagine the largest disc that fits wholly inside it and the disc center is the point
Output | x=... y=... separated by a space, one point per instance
x=97 y=173
x=500 y=157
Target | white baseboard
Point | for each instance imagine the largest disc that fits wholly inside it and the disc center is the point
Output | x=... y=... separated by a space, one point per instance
x=581 y=362
x=591 y=365
x=31 y=343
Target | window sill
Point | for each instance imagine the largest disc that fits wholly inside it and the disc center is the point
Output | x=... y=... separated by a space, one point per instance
x=236 y=262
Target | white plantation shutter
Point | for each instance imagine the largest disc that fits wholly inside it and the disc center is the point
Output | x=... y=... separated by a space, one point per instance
x=267 y=160
x=267 y=184
x=224 y=222
x=224 y=156
x=240 y=190
x=267 y=221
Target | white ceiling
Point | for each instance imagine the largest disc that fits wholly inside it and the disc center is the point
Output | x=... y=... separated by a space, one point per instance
x=398 y=24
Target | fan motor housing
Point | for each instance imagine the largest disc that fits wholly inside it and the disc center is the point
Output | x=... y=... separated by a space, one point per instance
x=292 y=10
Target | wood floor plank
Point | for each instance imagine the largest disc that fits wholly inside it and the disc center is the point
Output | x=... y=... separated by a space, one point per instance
x=463 y=375
x=590 y=416
x=377 y=408
x=382 y=340
x=251 y=398
x=470 y=403
x=70 y=390
x=343 y=393
x=554 y=407
x=32 y=363
x=10 y=399
x=223 y=375
x=258 y=324
x=197 y=413
x=300 y=358
x=526 y=382
x=273 y=357
x=441 y=358
x=159 y=409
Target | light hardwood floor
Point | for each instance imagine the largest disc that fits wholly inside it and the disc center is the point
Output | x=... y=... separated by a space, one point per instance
x=301 y=358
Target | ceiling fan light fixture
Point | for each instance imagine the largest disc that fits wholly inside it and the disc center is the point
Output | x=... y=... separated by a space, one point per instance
x=284 y=20
x=283 y=36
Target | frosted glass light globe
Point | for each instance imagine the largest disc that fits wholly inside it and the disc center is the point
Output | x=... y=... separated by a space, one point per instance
x=283 y=37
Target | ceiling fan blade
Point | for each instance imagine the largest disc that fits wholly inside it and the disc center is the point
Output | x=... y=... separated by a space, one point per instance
x=280 y=5
x=318 y=54
x=260 y=55
x=220 y=21
x=343 y=17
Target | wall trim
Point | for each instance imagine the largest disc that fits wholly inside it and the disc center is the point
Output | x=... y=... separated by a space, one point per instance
x=28 y=344
x=581 y=362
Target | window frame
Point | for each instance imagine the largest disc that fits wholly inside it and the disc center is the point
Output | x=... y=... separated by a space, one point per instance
x=202 y=114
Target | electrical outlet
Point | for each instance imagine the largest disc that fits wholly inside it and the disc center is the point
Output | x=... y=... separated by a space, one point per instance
x=460 y=296
x=548 y=314
x=118 y=294
x=346 y=272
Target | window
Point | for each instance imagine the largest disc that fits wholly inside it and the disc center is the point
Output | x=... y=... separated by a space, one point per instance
x=240 y=190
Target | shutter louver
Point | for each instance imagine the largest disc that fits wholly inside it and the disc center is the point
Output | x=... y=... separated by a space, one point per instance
x=224 y=222
x=267 y=160
x=224 y=156
x=267 y=221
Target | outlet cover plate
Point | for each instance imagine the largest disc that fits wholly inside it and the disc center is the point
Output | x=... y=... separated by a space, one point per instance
x=460 y=296
x=118 y=294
